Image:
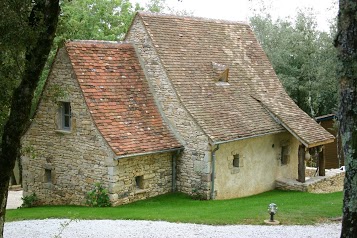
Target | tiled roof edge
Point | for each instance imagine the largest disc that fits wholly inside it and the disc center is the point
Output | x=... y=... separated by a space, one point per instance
x=196 y=18
x=149 y=153
x=281 y=122
x=245 y=137
x=157 y=104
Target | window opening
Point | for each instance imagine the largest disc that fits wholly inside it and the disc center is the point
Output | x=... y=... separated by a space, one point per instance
x=284 y=159
x=48 y=176
x=236 y=160
x=66 y=115
x=139 y=181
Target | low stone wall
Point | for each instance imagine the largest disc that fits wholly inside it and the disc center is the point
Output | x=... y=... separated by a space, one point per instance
x=139 y=178
x=332 y=182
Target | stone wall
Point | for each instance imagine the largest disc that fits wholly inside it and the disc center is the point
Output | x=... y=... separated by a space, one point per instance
x=62 y=166
x=332 y=182
x=194 y=166
x=259 y=165
x=141 y=177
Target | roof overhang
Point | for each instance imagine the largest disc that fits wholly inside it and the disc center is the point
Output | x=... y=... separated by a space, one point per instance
x=299 y=138
x=219 y=142
x=149 y=153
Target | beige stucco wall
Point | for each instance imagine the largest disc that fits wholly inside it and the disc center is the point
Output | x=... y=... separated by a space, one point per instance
x=194 y=164
x=80 y=158
x=259 y=165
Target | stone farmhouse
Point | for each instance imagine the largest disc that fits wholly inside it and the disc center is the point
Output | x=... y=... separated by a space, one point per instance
x=183 y=104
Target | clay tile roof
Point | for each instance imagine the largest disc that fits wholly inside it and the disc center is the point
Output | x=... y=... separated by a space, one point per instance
x=252 y=103
x=118 y=97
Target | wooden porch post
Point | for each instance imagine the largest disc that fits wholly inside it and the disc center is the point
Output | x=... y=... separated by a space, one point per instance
x=321 y=162
x=301 y=166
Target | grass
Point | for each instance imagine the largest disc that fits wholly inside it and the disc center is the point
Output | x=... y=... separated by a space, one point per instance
x=293 y=208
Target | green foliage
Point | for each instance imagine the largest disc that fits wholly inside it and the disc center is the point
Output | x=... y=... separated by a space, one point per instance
x=294 y=208
x=303 y=58
x=15 y=35
x=98 y=197
x=95 y=19
x=29 y=201
x=29 y=151
x=156 y=5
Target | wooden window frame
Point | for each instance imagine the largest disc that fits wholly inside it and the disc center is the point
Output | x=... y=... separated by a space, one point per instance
x=66 y=116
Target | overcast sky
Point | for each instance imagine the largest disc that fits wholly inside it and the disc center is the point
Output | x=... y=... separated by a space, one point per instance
x=240 y=10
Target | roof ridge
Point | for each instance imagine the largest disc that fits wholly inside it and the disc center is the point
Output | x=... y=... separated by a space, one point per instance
x=196 y=18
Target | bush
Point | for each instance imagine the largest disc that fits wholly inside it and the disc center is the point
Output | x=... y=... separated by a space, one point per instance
x=98 y=197
x=29 y=201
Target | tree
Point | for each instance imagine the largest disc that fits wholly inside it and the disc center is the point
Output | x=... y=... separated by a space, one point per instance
x=95 y=19
x=303 y=57
x=346 y=44
x=28 y=28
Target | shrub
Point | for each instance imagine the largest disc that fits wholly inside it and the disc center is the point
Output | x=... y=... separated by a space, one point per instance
x=98 y=197
x=29 y=201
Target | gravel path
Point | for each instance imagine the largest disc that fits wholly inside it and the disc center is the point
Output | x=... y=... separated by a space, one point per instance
x=155 y=229
x=145 y=229
x=14 y=199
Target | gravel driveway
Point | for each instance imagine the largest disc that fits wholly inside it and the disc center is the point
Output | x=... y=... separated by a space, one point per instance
x=145 y=229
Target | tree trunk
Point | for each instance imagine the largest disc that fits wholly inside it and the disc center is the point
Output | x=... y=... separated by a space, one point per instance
x=346 y=44
x=43 y=19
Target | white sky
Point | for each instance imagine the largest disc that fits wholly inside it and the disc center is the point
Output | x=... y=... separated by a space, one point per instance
x=241 y=10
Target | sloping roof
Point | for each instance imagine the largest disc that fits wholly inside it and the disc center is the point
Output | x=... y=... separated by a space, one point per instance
x=252 y=103
x=118 y=97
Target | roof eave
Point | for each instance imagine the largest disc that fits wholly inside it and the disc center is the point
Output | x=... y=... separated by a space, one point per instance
x=304 y=142
x=245 y=137
x=149 y=153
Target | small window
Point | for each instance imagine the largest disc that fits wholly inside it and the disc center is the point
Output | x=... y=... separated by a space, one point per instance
x=48 y=176
x=236 y=160
x=139 y=181
x=284 y=159
x=65 y=113
x=223 y=77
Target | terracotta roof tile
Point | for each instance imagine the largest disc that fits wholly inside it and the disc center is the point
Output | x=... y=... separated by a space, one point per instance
x=242 y=108
x=118 y=97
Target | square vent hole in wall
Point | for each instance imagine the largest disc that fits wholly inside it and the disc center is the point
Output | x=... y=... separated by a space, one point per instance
x=139 y=182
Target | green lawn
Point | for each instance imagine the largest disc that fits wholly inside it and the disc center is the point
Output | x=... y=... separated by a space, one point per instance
x=293 y=208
